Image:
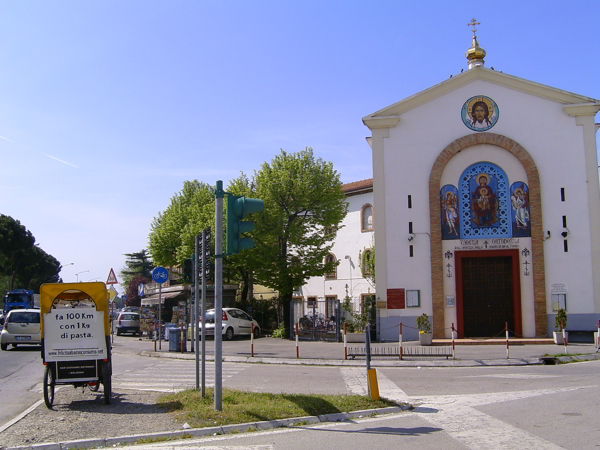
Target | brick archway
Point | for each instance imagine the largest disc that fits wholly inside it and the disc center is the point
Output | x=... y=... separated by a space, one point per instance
x=537 y=231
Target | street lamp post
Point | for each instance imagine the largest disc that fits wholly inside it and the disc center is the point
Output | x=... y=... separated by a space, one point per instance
x=77 y=274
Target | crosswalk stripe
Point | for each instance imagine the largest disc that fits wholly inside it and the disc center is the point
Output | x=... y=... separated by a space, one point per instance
x=170 y=377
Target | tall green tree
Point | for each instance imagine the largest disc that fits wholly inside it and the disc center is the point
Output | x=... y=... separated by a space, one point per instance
x=137 y=263
x=15 y=242
x=25 y=264
x=39 y=267
x=173 y=231
x=304 y=208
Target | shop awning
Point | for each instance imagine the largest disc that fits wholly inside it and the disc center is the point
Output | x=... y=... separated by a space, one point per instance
x=153 y=299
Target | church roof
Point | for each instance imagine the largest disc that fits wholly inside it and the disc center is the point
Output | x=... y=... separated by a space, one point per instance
x=390 y=116
x=362 y=185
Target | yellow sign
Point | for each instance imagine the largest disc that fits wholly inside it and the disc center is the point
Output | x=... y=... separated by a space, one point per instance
x=112 y=293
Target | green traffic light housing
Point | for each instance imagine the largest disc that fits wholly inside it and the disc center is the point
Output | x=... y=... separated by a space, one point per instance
x=188 y=271
x=238 y=208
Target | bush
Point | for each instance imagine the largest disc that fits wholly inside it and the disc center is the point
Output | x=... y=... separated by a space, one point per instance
x=423 y=324
x=280 y=332
x=561 y=318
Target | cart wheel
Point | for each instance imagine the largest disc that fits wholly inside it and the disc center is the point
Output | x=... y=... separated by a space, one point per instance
x=106 y=382
x=48 y=387
x=94 y=387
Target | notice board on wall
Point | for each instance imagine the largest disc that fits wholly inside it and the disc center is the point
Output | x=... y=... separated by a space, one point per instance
x=395 y=299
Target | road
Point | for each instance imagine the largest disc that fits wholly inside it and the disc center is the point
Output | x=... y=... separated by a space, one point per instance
x=512 y=407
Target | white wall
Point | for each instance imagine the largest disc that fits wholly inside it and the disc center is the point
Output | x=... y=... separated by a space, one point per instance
x=349 y=241
x=556 y=145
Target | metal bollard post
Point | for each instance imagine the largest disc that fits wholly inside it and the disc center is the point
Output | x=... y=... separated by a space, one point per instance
x=400 y=338
x=297 y=348
x=506 y=330
x=346 y=340
x=182 y=341
x=252 y=340
x=453 y=343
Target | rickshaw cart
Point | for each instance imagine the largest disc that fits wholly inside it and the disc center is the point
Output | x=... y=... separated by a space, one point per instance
x=75 y=335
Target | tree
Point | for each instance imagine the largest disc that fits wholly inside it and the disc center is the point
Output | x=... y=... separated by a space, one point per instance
x=304 y=208
x=39 y=267
x=133 y=298
x=138 y=263
x=173 y=231
x=27 y=265
x=15 y=242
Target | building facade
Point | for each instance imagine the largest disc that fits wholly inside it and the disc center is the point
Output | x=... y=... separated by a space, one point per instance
x=487 y=205
x=353 y=244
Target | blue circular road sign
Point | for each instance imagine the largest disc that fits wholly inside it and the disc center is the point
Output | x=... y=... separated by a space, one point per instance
x=160 y=275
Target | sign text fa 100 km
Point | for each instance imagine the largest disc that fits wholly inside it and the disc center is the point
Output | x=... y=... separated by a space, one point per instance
x=238 y=208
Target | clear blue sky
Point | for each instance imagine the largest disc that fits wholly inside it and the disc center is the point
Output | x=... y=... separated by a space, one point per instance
x=106 y=107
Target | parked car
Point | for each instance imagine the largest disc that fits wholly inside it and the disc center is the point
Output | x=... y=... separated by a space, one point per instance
x=21 y=326
x=128 y=322
x=234 y=322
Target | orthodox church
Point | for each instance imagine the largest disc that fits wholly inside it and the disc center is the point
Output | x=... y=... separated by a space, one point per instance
x=491 y=219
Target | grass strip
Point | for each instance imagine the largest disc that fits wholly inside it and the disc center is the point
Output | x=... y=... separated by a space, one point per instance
x=243 y=407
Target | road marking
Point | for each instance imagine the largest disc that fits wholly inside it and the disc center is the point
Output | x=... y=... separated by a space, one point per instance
x=515 y=376
x=170 y=376
x=456 y=414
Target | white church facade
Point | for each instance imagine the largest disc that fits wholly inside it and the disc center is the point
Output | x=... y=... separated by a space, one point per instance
x=486 y=202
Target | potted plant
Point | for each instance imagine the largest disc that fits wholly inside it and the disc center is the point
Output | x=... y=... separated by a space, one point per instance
x=560 y=323
x=425 y=335
x=355 y=320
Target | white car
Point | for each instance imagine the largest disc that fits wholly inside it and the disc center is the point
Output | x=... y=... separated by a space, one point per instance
x=21 y=326
x=234 y=322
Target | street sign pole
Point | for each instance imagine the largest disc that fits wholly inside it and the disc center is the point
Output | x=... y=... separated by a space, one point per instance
x=220 y=194
x=195 y=321
x=205 y=262
x=159 y=315
x=160 y=275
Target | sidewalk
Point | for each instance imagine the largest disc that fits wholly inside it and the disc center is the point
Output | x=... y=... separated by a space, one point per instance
x=467 y=352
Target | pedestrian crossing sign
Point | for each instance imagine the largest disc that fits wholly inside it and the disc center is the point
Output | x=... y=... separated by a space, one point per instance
x=112 y=279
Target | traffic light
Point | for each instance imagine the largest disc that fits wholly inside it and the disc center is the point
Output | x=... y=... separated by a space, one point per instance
x=188 y=271
x=237 y=209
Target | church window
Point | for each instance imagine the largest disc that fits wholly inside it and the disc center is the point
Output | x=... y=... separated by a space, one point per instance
x=367 y=262
x=367 y=218
x=566 y=246
x=413 y=299
x=332 y=275
x=410 y=251
x=564 y=221
x=484 y=202
x=559 y=301
x=409 y=201
x=562 y=194
x=410 y=227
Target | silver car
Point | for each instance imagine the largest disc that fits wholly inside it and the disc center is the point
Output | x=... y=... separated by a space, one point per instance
x=128 y=322
x=234 y=322
x=21 y=326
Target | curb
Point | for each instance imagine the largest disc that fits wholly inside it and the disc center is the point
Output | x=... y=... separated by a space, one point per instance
x=212 y=431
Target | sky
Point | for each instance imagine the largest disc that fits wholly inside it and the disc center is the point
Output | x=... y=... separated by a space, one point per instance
x=107 y=107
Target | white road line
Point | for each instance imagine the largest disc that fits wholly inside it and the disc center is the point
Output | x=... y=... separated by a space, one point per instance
x=456 y=414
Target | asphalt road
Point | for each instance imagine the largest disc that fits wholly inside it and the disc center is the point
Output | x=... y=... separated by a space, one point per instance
x=500 y=407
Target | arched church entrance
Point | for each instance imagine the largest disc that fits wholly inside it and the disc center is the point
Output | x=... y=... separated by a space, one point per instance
x=446 y=202
x=488 y=293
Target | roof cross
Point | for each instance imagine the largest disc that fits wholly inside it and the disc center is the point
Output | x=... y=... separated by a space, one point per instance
x=472 y=24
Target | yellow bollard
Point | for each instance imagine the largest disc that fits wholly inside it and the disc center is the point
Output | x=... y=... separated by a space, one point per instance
x=373 y=385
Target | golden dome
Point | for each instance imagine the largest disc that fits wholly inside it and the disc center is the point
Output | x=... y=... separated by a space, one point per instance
x=476 y=53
